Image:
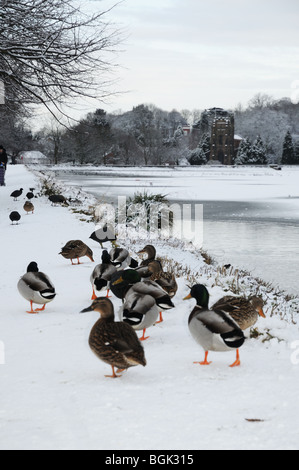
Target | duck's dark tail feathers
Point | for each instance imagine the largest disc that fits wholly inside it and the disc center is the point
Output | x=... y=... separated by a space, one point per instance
x=234 y=339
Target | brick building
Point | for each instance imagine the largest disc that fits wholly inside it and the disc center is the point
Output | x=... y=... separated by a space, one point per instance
x=222 y=136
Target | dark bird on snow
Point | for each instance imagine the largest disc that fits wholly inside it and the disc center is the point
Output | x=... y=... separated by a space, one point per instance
x=15 y=217
x=58 y=199
x=16 y=194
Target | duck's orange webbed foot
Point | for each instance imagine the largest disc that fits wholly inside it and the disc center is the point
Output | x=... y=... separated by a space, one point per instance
x=205 y=362
x=143 y=337
x=114 y=375
x=160 y=319
x=237 y=362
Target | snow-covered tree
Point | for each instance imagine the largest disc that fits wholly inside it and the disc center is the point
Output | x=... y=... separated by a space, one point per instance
x=244 y=152
x=197 y=157
x=288 y=152
x=259 y=153
x=200 y=155
x=252 y=154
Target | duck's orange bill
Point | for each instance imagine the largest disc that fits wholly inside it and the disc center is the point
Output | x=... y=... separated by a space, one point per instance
x=188 y=297
x=261 y=313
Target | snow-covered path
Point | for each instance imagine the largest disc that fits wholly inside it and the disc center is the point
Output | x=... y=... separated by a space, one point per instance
x=53 y=391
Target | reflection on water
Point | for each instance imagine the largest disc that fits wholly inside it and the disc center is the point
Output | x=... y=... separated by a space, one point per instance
x=254 y=236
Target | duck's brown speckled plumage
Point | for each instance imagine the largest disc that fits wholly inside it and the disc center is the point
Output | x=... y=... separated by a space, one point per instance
x=244 y=311
x=115 y=343
x=75 y=249
x=165 y=279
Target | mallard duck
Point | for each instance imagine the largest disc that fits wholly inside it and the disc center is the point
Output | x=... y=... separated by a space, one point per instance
x=122 y=281
x=15 y=216
x=36 y=287
x=102 y=274
x=214 y=330
x=121 y=258
x=154 y=272
x=150 y=271
x=166 y=280
x=28 y=207
x=244 y=311
x=76 y=249
x=16 y=194
x=115 y=343
x=139 y=310
x=151 y=253
x=128 y=278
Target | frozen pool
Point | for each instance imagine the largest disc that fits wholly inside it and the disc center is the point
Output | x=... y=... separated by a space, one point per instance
x=251 y=215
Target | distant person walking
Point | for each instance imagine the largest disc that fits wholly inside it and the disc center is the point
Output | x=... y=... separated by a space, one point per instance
x=3 y=165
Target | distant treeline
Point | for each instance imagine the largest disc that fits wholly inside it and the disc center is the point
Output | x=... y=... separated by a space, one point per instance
x=148 y=135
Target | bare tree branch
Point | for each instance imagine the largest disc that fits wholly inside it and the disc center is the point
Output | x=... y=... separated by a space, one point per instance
x=51 y=51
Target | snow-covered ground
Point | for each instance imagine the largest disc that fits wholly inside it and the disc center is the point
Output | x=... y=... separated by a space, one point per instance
x=53 y=391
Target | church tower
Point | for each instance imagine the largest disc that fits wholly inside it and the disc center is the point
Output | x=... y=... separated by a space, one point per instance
x=222 y=136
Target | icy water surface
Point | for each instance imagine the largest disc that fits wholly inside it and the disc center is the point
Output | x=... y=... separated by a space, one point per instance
x=260 y=235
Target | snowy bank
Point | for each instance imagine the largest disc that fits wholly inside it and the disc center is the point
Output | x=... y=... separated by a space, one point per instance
x=54 y=394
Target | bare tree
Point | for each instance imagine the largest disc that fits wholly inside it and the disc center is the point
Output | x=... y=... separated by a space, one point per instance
x=51 y=51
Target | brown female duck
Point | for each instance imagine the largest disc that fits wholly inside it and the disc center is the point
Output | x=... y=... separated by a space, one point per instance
x=115 y=343
x=244 y=311
x=76 y=249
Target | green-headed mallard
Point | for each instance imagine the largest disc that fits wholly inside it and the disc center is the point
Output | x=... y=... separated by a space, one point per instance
x=143 y=301
x=214 y=330
x=115 y=343
x=75 y=249
x=244 y=311
x=36 y=287
x=122 y=281
x=102 y=274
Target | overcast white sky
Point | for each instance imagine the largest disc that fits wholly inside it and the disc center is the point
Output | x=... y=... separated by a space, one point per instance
x=195 y=54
